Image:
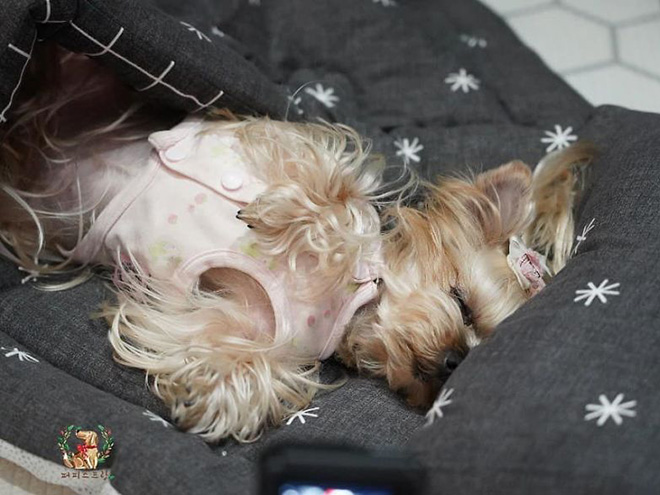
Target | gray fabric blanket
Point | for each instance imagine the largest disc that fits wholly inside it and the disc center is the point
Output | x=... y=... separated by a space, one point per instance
x=562 y=398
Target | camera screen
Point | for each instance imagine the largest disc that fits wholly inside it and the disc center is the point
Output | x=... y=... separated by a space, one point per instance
x=306 y=489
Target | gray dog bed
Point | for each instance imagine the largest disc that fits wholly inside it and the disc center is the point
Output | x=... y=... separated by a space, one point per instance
x=563 y=398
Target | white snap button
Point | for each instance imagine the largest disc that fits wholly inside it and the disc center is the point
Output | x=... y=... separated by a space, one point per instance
x=176 y=152
x=232 y=180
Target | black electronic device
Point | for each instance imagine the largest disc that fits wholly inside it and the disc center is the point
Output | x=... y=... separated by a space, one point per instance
x=291 y=469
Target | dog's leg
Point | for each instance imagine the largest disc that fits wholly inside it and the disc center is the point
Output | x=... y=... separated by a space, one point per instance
x=318 y=202
x=212 y=356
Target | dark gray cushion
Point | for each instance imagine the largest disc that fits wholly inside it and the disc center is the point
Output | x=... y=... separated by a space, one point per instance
x=520 y=419
x=170 y=59
x=516 y=418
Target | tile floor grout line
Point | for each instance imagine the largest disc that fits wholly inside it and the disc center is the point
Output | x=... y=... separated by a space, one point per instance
x=586 y=15
x=640 y=71
x=639 y=20
x=614 y=37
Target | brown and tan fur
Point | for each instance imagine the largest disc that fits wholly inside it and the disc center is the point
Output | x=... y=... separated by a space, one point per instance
x=447 y=284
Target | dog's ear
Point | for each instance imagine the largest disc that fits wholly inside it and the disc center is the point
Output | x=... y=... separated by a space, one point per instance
x=509 y=188
x=556 y=186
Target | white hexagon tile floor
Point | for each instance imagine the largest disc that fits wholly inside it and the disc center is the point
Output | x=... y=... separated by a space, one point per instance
x=608 y=50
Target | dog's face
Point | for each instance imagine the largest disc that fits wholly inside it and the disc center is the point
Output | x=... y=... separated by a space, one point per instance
x=447 y=283
x=89 y=437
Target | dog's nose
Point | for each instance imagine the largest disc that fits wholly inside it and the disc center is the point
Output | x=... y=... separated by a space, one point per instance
x=453 y=359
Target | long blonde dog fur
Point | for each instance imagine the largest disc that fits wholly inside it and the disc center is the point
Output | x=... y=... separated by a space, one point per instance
x=445 y=284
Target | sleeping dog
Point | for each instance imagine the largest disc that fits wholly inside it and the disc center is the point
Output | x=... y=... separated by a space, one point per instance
x=243 y=250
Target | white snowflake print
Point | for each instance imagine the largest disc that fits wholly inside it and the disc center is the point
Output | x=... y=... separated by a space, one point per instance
x=559 y=139
x=436 y=409
x=217 y=32
x=21 y=355
x=295 y=101
x=407 y=150
x=386 y=3
x=607 y=409
x=193 y=29
x=593 y=292
x=325 y=96
x=583 y=236
x=462 y=80
x=31 y=275
x=300 y=415
x=473 y=41
x=155 y=417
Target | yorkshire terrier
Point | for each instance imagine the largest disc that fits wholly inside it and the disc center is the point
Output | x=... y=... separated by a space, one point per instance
x=245 y=250
x=471 y=255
